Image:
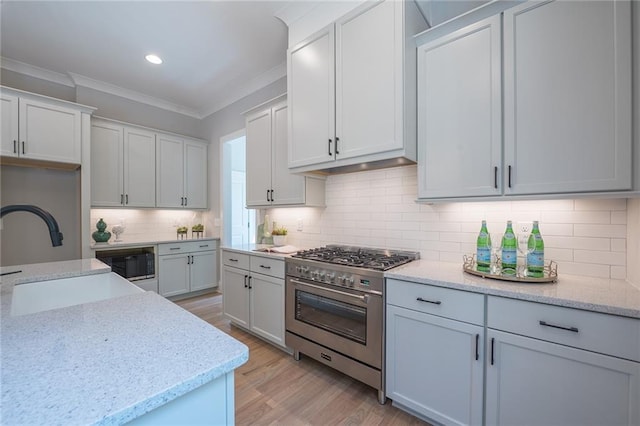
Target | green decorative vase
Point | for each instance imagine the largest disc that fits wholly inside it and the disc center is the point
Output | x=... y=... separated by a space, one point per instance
x=101 y=236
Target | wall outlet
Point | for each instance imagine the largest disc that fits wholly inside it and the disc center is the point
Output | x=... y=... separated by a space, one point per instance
x=299 y=228
x=524 y=227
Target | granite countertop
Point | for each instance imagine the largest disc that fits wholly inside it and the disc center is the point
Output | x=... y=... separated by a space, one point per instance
x=617 y=297
x=146 y=241
x=104 y=362
x=258 y=250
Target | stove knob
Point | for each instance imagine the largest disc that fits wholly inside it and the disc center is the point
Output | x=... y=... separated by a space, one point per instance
x=330 y=277
x=322 y=274
x=350 y=281
x=341 y=279
x=314 y=275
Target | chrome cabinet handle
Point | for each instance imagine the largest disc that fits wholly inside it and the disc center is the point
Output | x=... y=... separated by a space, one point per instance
x=546 y=324
x=435 y=302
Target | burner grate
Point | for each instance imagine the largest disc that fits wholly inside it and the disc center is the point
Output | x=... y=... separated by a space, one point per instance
x=380 y=260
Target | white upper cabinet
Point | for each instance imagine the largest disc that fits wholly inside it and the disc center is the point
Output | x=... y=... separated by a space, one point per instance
x=37 y=128
x=566 y=86
x=567 y=97
x=351 y=89
x=122 y=165
x=269 y=181
x=181 y=172
x=459 y=107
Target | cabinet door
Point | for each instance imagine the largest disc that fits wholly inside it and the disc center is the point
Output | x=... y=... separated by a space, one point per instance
x=530 y=381
x=435 y=366
x=267 y=307
x=195 y=175
x=567 y=97
x=259 y=158
x=235 y=297
x=203 y=270
x=49 y=133
x=9 y=131
x=459 y=113
x=311 y=95
x=170 y=172
x=288 y=188
x=173 y=274
x=369 y=80
x=139 y=168
x=107 y=165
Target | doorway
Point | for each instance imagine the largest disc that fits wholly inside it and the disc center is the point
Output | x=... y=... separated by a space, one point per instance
x=238 y=221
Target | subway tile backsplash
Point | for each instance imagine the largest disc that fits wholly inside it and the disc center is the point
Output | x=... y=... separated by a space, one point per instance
x=378 y=209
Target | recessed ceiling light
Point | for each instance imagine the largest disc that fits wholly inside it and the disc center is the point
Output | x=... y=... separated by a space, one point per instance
x=154 y=59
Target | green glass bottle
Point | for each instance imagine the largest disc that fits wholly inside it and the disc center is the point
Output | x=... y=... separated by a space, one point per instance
x=535 y=256
x=483 y=249
x=509 y=251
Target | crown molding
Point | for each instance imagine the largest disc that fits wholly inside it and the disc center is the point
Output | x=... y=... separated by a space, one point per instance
x=294 y=11
x=235 y=93
x=36 y=72
x=252 y=86
x=101 y=86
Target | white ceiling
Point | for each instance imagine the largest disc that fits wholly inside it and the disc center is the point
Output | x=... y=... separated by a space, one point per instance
x=214 y=52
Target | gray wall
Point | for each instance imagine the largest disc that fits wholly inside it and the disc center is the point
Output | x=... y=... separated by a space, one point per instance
x=25 y=237
x=36 y=85
x=122 y=109
x=224 y=122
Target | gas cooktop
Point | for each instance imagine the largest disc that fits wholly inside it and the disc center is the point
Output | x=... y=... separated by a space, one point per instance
x=359 y=257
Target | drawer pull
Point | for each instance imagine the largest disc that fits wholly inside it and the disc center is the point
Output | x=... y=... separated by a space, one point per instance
x=245 y=281
x=249 y=280
x=233 y=260
x=265 y=267
x=204 y=245
x=546 y=324
x=435 y=302
x=174 y=248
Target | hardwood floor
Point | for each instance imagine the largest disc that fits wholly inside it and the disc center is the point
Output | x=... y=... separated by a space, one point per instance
x=274 y=389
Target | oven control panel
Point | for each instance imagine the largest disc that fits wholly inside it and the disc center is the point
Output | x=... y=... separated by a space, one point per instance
x=334 y=277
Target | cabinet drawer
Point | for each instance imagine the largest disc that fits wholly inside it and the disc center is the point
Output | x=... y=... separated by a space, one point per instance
x=235 y=259
x=268 y=266
x=444 y=302
x=187 y=247
x=594 y=331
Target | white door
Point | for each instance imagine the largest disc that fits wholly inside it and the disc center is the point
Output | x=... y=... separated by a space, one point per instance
x=139 y=168
x=50 y=133
x=10 y=144
x=311 y=97
x=107 y=164
x=236 y=295
x=435 y=366
x=459 y=113
x=567 y=97
x=530 y=381
x=259 y=158
x=173 y=274
x=170 y=172
x=288 y=187
x=267 y=307
x=203 y=270
x=369 y=80
x=195 y=179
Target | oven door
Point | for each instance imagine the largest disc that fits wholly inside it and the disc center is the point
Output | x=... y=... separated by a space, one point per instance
x=344 y=320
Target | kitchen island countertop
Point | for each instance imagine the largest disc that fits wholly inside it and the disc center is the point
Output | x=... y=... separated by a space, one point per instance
x=616 y=297
x=104 y=362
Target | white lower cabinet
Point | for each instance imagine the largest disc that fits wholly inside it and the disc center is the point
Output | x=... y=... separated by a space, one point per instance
x=253 y=294
x=434 y=365
x=543 y=364
x=539 y=372
x=186 y=267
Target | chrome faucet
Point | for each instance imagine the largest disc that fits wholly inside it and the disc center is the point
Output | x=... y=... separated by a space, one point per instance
x=54 y=230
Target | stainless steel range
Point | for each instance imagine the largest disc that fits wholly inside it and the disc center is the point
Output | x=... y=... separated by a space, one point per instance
x=334 y=310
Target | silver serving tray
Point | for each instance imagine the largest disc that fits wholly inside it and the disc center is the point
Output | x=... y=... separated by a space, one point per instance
x=550 y=272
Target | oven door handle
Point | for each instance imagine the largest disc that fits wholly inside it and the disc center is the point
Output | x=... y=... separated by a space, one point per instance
x=363 y=298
